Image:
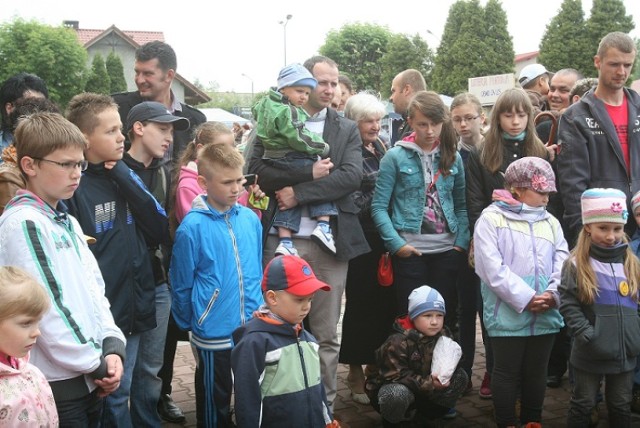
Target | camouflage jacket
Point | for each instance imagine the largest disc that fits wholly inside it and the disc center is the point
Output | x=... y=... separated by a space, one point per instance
x=405 y=357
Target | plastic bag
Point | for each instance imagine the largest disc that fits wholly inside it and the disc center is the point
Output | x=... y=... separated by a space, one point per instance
x=446 y=355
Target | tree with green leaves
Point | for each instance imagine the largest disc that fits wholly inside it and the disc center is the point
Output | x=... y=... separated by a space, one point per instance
x=404 y=52
x=358 y=49
x=115 y=70
x=564 y=44
x=53 y=53
x=98 y=80
x=475 y=42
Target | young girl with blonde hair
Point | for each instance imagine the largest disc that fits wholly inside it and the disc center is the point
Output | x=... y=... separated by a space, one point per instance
x=25 y=395
x=599 y=302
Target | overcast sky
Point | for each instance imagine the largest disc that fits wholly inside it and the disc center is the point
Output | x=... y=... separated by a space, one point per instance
x=222 y=40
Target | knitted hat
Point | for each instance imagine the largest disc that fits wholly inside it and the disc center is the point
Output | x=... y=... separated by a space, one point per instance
x=635 y=203
x=153 y=111
x=424 y=299
x=604 y=206
x=292 y=274
x=531 y=173
x=295 y=75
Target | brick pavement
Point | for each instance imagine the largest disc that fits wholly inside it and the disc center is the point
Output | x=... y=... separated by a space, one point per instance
x=472 y=410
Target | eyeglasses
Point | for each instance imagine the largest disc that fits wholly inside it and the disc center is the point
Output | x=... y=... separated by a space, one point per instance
x=68 y=166
x=466 y=119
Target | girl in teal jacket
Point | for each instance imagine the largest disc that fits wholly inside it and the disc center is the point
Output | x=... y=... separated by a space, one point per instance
x=419 y=204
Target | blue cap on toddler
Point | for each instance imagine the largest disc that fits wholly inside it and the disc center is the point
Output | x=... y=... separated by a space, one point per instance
x=296 y=75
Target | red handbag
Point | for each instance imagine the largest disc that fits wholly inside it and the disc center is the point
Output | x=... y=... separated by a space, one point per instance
x=385 y=270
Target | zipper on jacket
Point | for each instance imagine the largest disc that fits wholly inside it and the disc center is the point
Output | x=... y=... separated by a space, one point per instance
x=213 y=299
x=304 y=375
x=535 y=273
x=620 y=317
x=236 y=256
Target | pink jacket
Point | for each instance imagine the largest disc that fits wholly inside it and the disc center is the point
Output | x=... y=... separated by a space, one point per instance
x=26 y=399
x=188 y=188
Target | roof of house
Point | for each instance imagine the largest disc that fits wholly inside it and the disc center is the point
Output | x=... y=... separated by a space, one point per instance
x=88 y=37
x=526 y=56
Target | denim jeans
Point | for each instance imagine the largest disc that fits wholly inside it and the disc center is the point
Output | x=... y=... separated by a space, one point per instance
x=617 y=393
x=146 y=384
x=140 y=383
x=115 y=412
x=290 y=219
x=81 y=412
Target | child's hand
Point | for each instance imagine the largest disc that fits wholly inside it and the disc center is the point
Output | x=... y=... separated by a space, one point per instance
x=257 y=193
x=436 y=383
x=110 y=164
x=111 y=382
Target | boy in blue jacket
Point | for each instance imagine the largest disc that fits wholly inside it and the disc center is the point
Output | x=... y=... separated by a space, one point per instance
x=275 y=363
x=215 y=274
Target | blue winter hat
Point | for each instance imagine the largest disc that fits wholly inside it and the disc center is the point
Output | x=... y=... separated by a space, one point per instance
x=296 y=75
x=424 y=299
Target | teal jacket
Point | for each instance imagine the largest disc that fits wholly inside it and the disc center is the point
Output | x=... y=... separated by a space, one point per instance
x=281 y=128
x=399 y=199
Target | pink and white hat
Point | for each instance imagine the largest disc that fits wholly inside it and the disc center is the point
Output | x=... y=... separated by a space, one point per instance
x=604 y=206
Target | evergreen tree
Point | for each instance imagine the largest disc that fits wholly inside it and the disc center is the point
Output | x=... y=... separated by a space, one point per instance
x=52 y=53
x=564 y=43
x=358 y=48
x=115 y=70
x=475 y=43
x=606 y=16
x=403 y=53
x=98 y=81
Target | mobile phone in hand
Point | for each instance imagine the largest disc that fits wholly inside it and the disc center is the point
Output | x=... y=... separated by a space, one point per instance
x=251 y=179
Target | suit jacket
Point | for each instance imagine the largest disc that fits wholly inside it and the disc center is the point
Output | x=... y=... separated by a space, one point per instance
x=345 y=152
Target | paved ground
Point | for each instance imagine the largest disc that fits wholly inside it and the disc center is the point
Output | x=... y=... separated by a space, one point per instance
x=472 y=410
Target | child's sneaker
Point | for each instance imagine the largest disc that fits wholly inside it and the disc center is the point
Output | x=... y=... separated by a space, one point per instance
x=322 y=236
x=285 y=250
x=451 y=414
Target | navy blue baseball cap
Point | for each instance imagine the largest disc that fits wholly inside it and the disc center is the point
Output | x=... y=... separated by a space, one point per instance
x=152 y=111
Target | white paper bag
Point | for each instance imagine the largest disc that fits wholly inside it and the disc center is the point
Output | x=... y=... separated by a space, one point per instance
x=446 y=355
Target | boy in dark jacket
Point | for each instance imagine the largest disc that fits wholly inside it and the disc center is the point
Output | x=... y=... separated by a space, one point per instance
x=403 y=388
x=275 y=362
x=150 y=128
x=114 y=206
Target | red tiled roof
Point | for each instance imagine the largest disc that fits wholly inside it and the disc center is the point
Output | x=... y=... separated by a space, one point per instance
x=526 y=56
x=140 y=37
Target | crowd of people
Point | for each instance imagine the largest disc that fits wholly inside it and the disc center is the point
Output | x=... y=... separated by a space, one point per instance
x=130 y=223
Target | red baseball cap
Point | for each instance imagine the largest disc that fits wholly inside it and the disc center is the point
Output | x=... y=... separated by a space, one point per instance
x=291 y=274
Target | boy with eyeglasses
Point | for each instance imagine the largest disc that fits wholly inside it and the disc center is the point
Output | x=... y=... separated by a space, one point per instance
x=113 y=205
x=81 y=349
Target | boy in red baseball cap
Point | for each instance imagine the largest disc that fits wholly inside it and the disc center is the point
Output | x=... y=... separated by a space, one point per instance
x=275 y=361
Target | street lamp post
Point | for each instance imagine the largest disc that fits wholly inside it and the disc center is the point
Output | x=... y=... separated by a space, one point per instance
x=284 y=26
x=244 y=75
